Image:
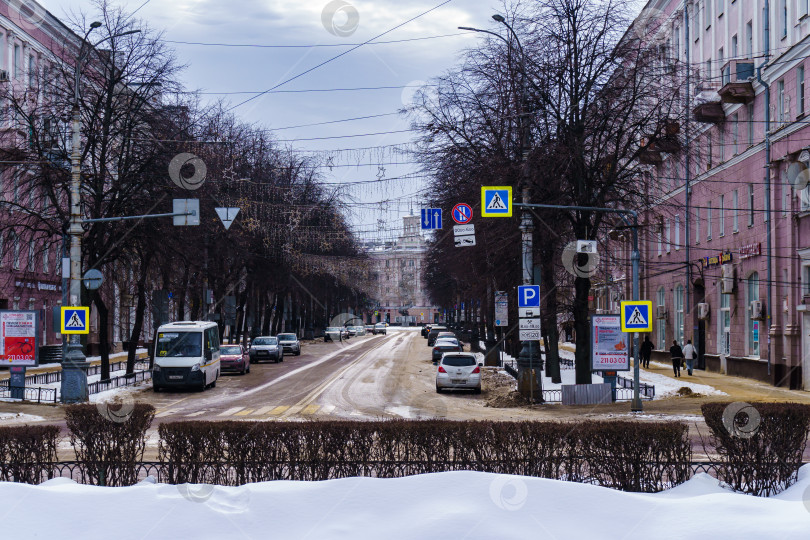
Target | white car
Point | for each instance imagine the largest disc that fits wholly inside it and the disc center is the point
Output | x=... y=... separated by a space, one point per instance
x=458 y=370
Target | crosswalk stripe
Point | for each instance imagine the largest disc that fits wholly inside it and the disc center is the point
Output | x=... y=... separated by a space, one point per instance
x=264 y=410
x=295 y=410
x=327 y=409
x=244 y=413
x=167 y=412
x=279 y=410
x=310 y=409
x=229 y=412
x=198 y=413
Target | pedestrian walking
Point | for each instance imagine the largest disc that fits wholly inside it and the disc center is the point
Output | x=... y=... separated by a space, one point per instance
x=646 y=352
x=677 y=357
x=690 y=353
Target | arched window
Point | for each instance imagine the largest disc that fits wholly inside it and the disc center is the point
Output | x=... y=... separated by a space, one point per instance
x=661 y=327
x=679 y=314
x=754 y=325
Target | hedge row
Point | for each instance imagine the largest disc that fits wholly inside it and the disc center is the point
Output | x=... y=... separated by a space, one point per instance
x=24 y=449
x=760 y=445
x=631 y=456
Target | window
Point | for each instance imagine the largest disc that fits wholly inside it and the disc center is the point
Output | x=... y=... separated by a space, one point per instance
x=679 y=314
x=786 y=190
x=659 y=236
x=800 y=89
x=32 y=250
x=707 y=19
x=32 y=70
x=676 y=42
x=722 y=143
x=753 y=325
x=410 y=262
x=750 y=205
x=734 y=216
x=724 y=325
x=735 y=128
x=17 y=62
x=709 y=68
x=709 y=150
x=661 y=326
x=695 y=21
x=720 y=7
x=780 y=92
x=749 y=39
x=15 y=246
x=667 y=232
x=722 y=216
x=709 y=222
x=751 y=124
x=697 y=225
x=783 y=18
x=46 y=263
x=735 y=51
x=677 y=233
x=802 y=8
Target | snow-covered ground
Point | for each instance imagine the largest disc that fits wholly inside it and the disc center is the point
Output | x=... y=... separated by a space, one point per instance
x=449 y=505
x=7 y=418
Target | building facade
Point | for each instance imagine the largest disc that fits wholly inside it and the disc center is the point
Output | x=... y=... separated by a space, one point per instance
x=726 y=248
x=397 y=278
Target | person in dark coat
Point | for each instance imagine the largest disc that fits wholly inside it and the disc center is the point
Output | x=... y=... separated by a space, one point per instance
x=677 y=358
x=646 y=352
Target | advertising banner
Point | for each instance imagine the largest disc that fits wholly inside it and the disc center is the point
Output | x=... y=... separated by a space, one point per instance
x=18 y=338
x=609 y=345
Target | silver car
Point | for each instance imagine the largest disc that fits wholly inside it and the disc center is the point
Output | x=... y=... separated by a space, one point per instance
x=290 y=343
x=266 y=348
x=458 y=370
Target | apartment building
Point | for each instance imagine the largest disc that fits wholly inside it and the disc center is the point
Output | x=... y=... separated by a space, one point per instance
x=726 y=250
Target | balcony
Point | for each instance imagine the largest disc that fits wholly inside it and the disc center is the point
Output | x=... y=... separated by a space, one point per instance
x=650 y=153
x=736 y=81
x=708 y=106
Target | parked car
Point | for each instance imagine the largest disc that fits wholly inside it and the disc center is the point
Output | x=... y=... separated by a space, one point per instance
x=266 y=348
x=351 y=330
x=290 y=343
x=234 y=358
x=434 y=333
x=446 y=334
x=360 y=330
x=443 y=346
x=380 y=328
x=458 y=370
x=369 y=329
x=333 y=333
x=426 y=330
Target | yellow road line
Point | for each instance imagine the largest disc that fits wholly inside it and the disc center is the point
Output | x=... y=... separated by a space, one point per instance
x=244 y=413
x=264 y=410
x=310 y=409
x=230 y=412
x=279 y=410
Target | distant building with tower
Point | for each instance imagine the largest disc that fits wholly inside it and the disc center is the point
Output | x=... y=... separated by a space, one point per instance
x=396 y=278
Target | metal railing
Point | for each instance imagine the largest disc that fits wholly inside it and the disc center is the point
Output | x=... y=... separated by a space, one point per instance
x=36 y=394
x=56 y=376
x=121 y=380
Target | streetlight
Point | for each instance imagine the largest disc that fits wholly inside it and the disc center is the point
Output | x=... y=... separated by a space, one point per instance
x=527 y=355
x=74 y=365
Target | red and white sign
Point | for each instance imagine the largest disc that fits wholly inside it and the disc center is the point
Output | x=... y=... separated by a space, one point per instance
x=18 y=338
x=462 y=213
x=751 y=250
x=609 y=345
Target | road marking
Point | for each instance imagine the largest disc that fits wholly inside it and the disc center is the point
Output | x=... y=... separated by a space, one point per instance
x=310 y=409
x=295 y=409
x=327 y=409
x=167 y=412
x=279 y=410
x=198 y=413
x=244 y=413
x=263 y=410
x=229 y=412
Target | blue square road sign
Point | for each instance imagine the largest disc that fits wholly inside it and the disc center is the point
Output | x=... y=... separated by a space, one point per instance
x=431 y=218
x=636 y=316
x=529 y=296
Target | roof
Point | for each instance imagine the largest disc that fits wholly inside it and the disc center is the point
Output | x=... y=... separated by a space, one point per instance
x=187 y=325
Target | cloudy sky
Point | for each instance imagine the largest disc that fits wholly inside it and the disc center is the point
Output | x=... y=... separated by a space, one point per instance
x=205 y=35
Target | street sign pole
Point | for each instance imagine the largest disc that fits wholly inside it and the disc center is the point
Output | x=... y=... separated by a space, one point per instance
x=636 y=406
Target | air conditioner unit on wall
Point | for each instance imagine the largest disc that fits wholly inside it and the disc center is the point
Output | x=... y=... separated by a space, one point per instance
x=661 y=312
x=756 y=309
x=703 y=311
x=727 y=281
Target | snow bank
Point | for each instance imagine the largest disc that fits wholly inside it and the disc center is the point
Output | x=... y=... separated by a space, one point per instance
x=461 y=504
x=19 y=418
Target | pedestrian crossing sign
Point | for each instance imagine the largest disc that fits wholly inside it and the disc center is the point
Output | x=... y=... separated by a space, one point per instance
x=496 y=201
x=636 y=316
x=74 y=320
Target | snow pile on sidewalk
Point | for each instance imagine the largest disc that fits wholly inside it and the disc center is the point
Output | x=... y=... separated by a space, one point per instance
x=460 y=504
x=19 y=418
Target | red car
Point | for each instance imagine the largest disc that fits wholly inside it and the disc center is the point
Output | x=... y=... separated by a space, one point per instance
x=234 y=358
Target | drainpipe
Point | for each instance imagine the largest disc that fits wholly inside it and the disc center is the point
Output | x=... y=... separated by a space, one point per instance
x=767 y=32
x=688 y=173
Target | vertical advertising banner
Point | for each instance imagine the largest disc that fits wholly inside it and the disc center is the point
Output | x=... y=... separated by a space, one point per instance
x=18 y=338
x=609 y=345
x=501 y=308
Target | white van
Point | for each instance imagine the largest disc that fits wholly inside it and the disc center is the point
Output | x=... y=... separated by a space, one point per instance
x=186 y=354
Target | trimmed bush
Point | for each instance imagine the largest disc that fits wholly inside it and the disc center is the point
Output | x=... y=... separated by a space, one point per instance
x=760 y=445
x=27 y=453
x=624 y=455
x=109 y=443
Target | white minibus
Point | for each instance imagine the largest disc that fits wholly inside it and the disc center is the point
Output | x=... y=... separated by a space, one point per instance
x=186 y=354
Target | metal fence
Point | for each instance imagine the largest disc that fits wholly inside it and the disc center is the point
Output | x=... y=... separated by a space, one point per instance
x=164 y=472
x=624 y=390
x=116 y=382
x=37 y=394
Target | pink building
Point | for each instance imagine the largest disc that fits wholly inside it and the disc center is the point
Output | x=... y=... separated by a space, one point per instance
x=728 y=266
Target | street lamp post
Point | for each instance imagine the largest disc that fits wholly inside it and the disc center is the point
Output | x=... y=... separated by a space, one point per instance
x=74 y=365
x=528 y=360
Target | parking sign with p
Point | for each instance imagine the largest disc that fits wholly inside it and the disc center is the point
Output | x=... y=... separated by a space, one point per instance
x=529 y=296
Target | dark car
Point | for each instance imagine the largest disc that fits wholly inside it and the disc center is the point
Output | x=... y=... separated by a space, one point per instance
x=290 y=343
x=434 y=333
x=234 y=358
x=426 y=330
x=445 y=346
x=266 y=348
